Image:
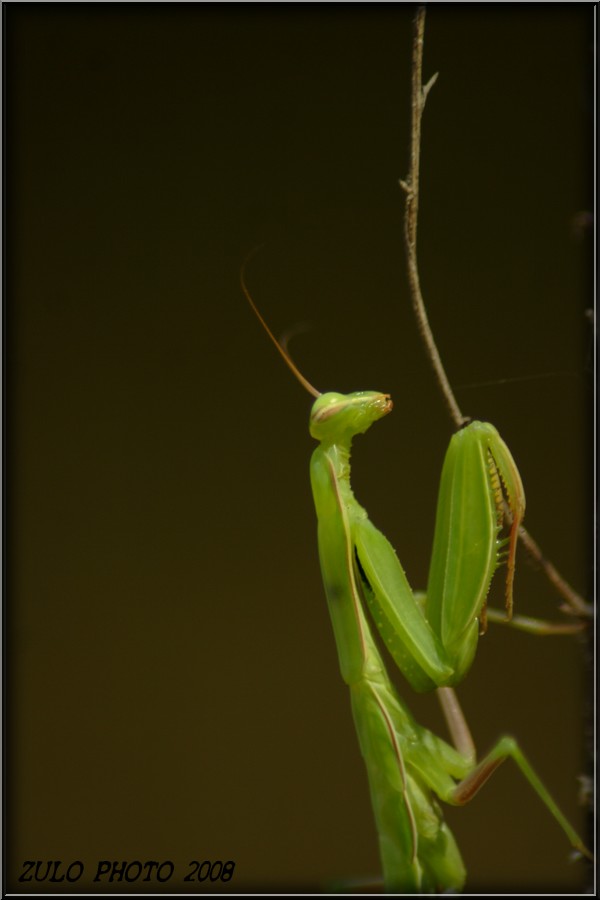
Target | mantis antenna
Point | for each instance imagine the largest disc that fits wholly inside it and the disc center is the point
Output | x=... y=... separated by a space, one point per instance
x=283 y=352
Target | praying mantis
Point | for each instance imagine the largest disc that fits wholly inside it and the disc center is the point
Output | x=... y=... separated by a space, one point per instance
x=432 y=638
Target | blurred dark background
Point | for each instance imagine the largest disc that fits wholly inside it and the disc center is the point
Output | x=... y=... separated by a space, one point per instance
x=172 y=683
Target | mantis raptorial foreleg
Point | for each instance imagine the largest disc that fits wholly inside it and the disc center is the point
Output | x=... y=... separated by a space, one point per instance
x=432 y=638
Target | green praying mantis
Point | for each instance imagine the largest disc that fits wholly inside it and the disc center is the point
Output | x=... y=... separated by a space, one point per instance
x=432 y=637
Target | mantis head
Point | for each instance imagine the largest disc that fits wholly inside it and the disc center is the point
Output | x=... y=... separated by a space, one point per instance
x=337 y=416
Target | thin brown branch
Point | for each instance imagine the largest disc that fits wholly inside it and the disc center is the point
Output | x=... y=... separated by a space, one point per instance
x=574 y=603
x=411 y=190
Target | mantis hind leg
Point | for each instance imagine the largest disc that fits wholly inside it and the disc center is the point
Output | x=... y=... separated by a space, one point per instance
x=539 y=627
x=457 y=723
x=507 y=747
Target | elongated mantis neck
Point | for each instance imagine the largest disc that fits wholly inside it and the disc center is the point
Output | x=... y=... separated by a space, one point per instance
x=339 y=452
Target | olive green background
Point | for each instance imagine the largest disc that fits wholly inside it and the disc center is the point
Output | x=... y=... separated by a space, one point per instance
x=172 y=684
